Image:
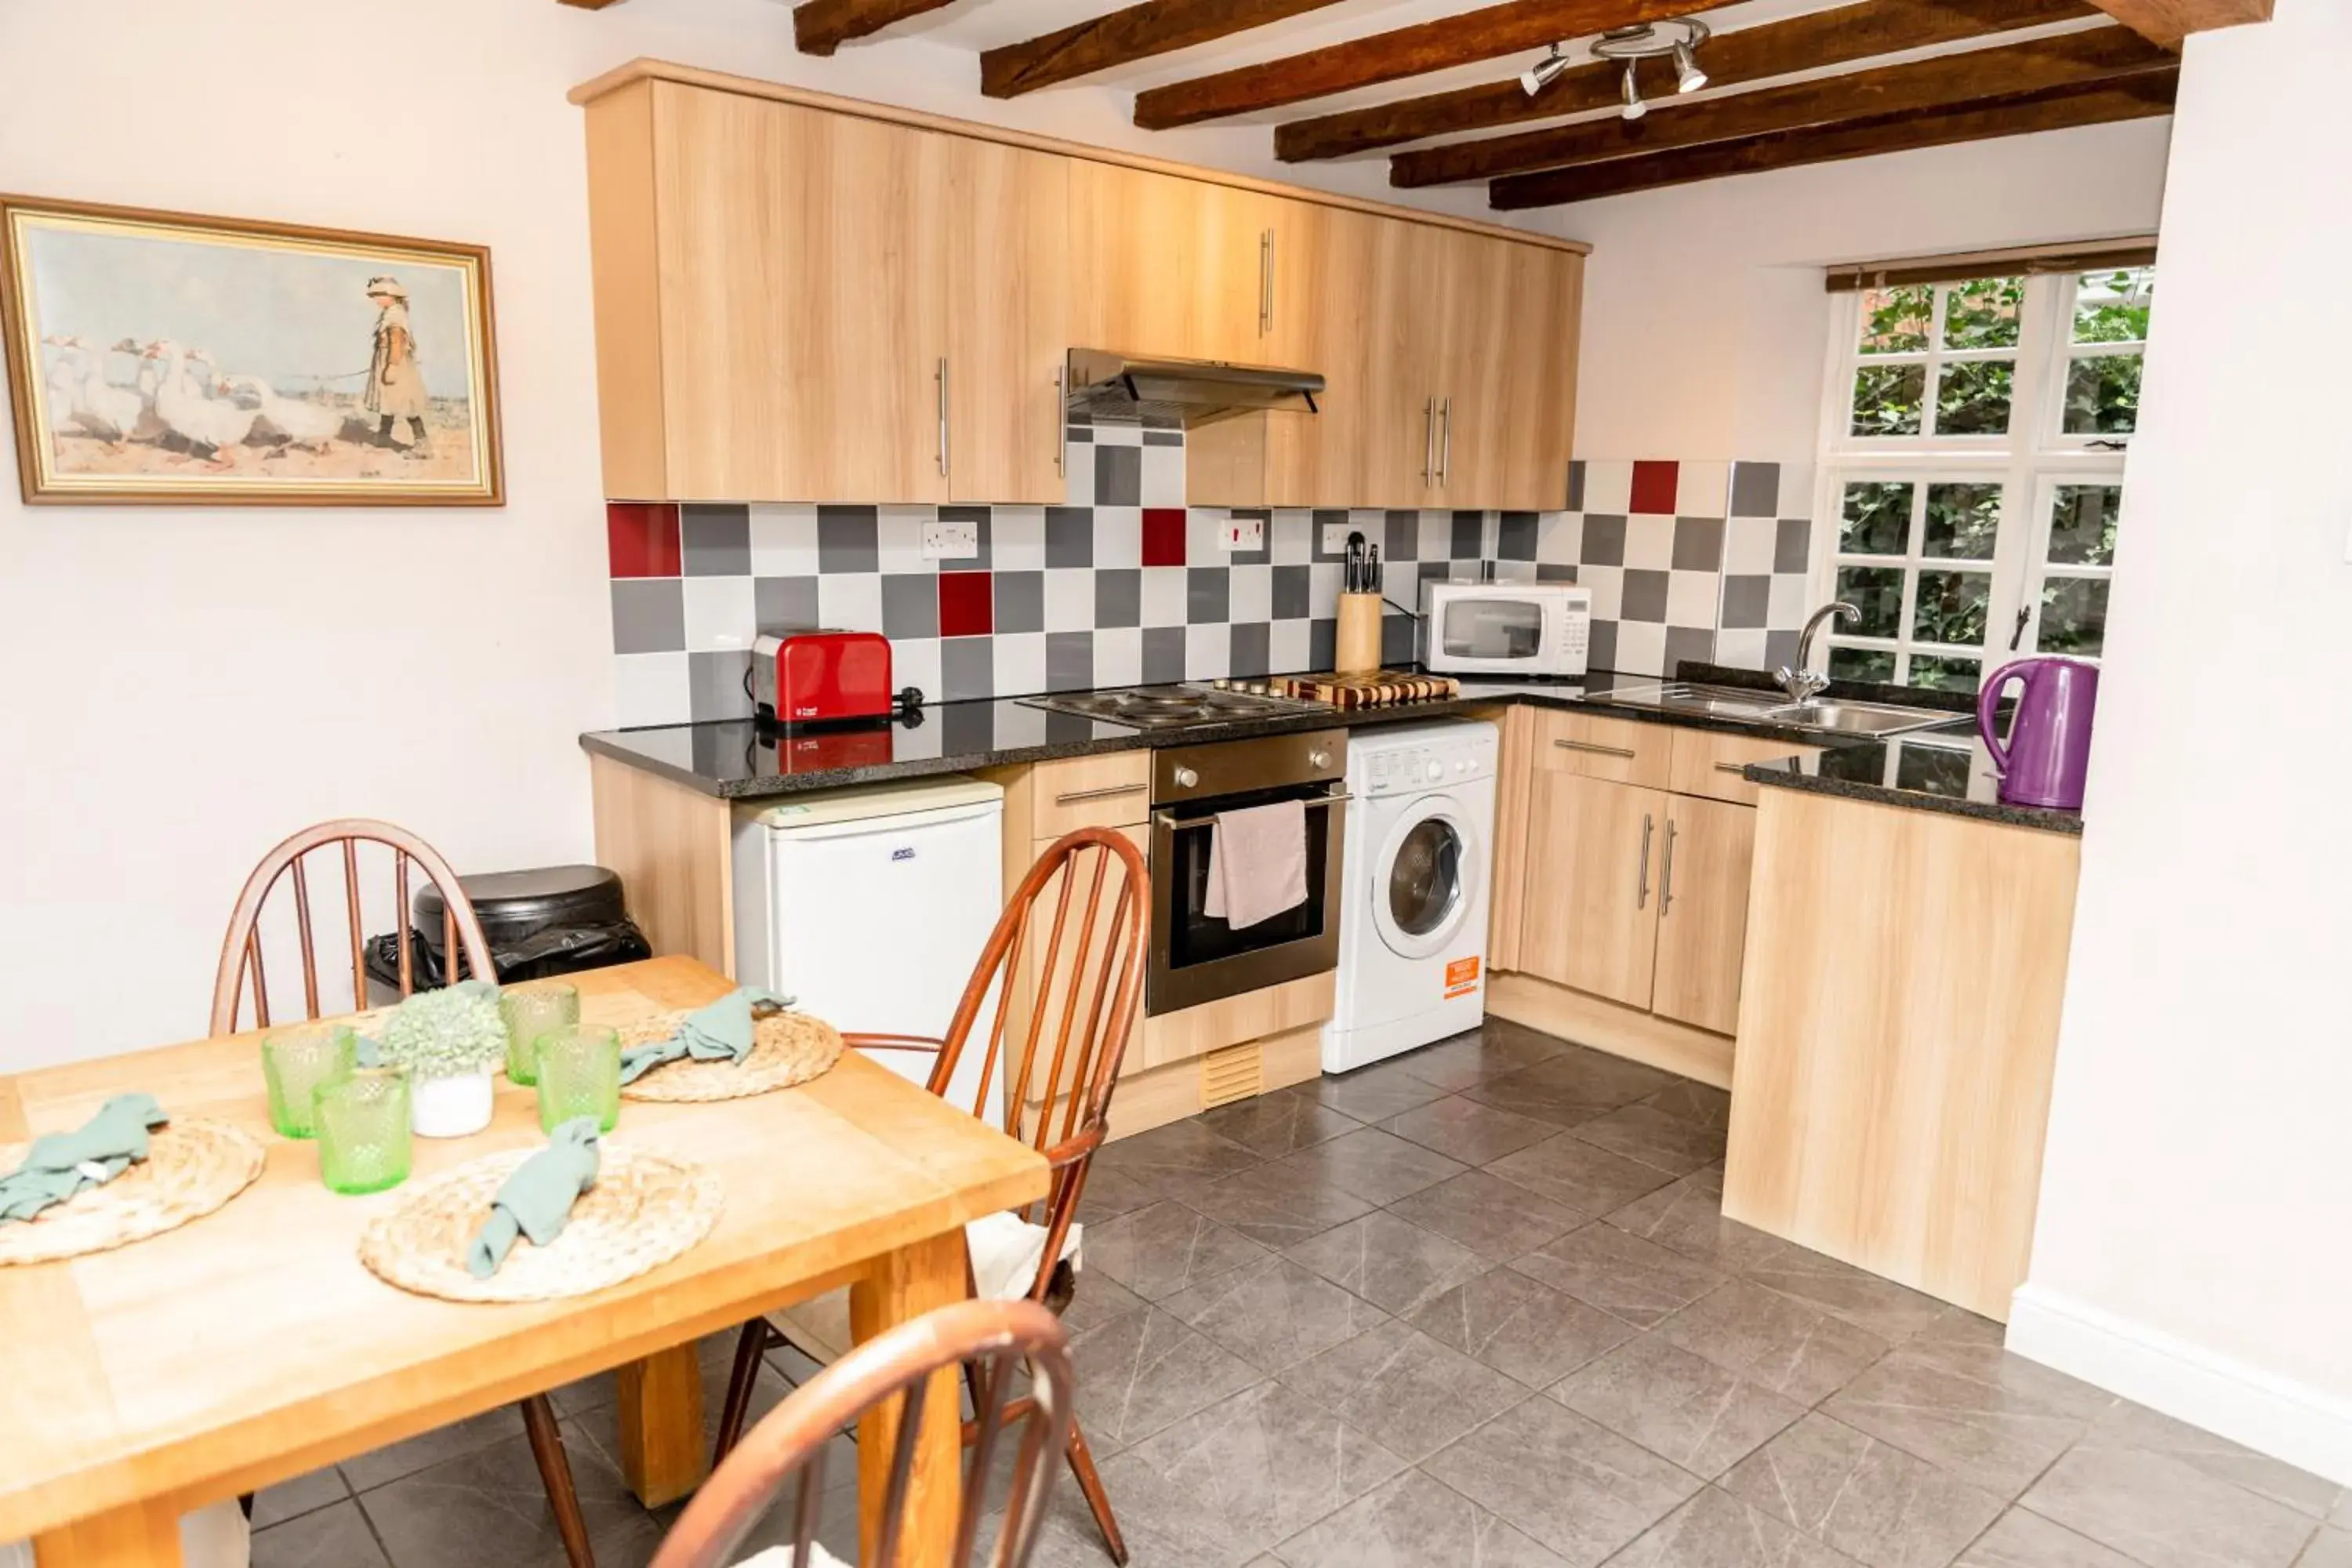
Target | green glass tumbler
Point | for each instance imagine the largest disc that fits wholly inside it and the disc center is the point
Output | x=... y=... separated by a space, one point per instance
x=530 y=1014
x=363 y=1131
x=579 y=1075
x=295 y=1062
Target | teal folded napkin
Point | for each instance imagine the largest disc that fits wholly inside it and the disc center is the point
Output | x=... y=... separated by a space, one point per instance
x=720 y=1032
x=536 y=1198
x=62 y=1163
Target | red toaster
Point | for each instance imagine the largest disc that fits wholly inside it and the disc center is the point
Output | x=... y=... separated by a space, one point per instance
x=821 y=677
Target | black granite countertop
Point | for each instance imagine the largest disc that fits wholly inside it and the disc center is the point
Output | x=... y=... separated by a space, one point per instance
x=1943 y=768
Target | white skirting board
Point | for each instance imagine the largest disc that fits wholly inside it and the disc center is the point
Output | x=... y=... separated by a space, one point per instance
x=2305 y=1426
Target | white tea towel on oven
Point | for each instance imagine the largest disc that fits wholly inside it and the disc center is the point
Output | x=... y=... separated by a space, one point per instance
x=1257 y=863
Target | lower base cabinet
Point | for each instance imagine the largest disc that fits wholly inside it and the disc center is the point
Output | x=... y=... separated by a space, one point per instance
x=1703 y=867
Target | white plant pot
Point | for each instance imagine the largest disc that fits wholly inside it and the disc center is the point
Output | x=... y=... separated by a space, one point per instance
x=450 y=1107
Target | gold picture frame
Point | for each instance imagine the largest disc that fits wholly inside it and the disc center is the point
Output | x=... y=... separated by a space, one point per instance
x=162 y=358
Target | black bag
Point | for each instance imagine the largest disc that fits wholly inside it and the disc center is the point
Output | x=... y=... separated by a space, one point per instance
x=556 y=920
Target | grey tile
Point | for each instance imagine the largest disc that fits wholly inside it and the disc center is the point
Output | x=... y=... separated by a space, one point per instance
x=1391 y=1263
x=1699 y=544
x=910 y=602
x=491 y=1506
x=1466 y=1130
x=1687 y=1216
x=1469 y=536
x=1601 y=646
x=1688 y=645
x=1715 y=1529
x=1163 y=654
x=1523 y=1329
x=1745 y=599
x=1278 y=1205
x=1279 y=1123
x=649 y=615
x=1208 y=594
x=1264 y=554
x=335 y=1537
x=1400 y=536
x=1958 y=1324
x=1250 y=648
x=848 y=539
x=1604 y=540
x=2331 y=1548
x=716 y=540
x=1181 y=1154
x=2166 y=1512
x=1563 y=1478
x=1020 y=602
x=1374 y=1093
x=1865 y=1300
x=2130 y=1426
x=1412 y=1521
x=1755 y=489
x=2023 y=1540
x=1694 y=1102
x=1274 y=1313
x=1069 y=661
x=1644 y=595
x=1868 y=1499
x=1118 y=596
x=1097 y=1298
x=1111 y=1192
x=1515 y=536
x=1650 y=1135
x=1159 y=1250
x=1402 y=1389
x=1163 y=438
x=1396 y=640
x=303 y=1494
x=1779 y=648
x=1574 y=1085
x=1069 y=536
x=597 y=1430
x=1993 y=1419
x=1774 y=1340
x=1142 y=1371
x=1677 y=1404
x=1623 y=1275
x=1576 y=485
x=1487 y=1215
x=1567 y=1170
x=967 y=668
x=1291 y=594
x=1322 y=643
x=427 y=1450
x=1376 y=1167
x=1556 y=572
x=1118 y=476
x=1497 y=1046
x=983 y=527
x=1792 y=543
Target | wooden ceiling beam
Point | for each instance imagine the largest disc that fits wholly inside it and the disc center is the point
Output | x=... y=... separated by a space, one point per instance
x=1155 y=27
x=1776 y=48
x=2134 y=99
x=1464 y=39
x=2168 y=22
x=820 y=26
x=2071 y=59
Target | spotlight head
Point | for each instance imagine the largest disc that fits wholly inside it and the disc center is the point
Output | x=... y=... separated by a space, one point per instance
x=1544 y=72
x=1631 y=92
x=1688 y=77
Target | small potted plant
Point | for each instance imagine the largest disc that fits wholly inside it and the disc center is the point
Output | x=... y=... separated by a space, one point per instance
x=450 y=1041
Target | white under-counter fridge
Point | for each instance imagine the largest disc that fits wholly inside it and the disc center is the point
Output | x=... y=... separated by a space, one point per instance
x=871 y=906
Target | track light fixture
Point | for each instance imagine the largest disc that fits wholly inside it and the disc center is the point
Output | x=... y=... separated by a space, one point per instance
x=1632 y=93
x=1541 y=75
x=1688 y=77
x=1678 y=40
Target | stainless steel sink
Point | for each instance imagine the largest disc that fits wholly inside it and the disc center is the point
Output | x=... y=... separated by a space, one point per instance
x=1857 y=717
x=1737 y=702
x=1682 y=697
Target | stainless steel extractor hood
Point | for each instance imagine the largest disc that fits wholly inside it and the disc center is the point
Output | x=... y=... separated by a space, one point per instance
x=1188 y=393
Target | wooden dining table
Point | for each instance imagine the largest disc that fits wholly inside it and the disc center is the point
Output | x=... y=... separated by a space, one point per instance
x=251 y=1345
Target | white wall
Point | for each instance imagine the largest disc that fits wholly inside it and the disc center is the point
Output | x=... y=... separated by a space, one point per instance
x=2191 y=1247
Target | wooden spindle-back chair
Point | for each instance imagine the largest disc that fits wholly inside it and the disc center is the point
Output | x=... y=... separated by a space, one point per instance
x=461 y=933
x=791 y=1439
x=1078 y=973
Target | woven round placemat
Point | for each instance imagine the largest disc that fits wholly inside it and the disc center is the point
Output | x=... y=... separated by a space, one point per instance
x=191 y=1168
x=643 y=1210
x=786 y=1048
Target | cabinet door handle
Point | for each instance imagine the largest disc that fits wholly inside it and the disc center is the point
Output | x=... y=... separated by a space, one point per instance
x=1428 y=439
x=1594 y=747
x=1731 y=768
x=1071 y=797
x=1265 y=282
x=1641 y=887
x=944 y=417
x=1445 y=444
x=1666 y=875
x=1061 y=418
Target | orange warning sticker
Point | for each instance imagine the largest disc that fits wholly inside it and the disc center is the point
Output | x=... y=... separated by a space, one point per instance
x=1462 y=977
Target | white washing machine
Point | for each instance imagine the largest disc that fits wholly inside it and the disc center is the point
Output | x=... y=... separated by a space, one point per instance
x=1413 y=943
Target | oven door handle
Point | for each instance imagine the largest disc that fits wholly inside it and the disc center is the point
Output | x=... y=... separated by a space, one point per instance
x=1176 y=824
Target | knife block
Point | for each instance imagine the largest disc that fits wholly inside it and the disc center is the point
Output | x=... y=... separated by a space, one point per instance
x=1357 y=646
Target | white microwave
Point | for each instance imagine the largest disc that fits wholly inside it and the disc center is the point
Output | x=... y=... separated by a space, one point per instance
x=1504 y=628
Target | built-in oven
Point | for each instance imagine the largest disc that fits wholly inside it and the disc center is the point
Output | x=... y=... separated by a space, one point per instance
x=1197 y=957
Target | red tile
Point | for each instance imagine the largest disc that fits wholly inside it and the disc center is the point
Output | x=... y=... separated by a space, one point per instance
x=1164 y=536
x=964 y=604
x=1653 y=488
x=642 y=537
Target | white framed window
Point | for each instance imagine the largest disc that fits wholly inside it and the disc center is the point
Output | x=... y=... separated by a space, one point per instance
x=1972 y=460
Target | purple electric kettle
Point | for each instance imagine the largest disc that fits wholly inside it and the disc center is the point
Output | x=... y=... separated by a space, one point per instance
x=2049 y=747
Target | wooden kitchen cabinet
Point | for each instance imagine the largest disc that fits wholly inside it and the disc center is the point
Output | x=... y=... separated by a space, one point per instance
x=1703 y=869
x=1007 y=269
x=1170 y=267
x=1591 y=916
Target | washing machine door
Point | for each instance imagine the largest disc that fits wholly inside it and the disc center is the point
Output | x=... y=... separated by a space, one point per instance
x=1422 y=880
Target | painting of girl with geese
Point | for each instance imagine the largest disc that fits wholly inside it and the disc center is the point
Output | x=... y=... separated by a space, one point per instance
x=162 y=358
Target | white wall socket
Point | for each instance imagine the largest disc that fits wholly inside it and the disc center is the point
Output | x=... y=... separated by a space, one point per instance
x=950 y=540
x=1244 y=533
x=1335 y=537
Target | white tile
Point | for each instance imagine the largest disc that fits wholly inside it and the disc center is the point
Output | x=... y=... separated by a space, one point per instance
x=1609 y=487
x=1118 y=536
x=1286 y=646
x=898 y=530
x=1323 y=580
x=1204 y=535
x=1748 y=544
x=1703 y=490
x=1692 y=598
x=1291 y=536
x=1437 y=536
x=1401 y=581
x=1785 y=608
x=1078 y=473
x=1119 y=435
x=1163 y=476
x=1743 y=648
x=1016 y=539
x=851 y=601
x=1020 y=663
x=1796 y=489
x=1252 y=597
x=1641 y=648
x=1069 y=599
x=651 y=688
x=1119 y=656
x=914 y=661
x=1649 y=543
x=1208 y=651
x=783 y=541
x=1608 y=585
x=718 y=613
x=1164 y=602
x=1560 y=536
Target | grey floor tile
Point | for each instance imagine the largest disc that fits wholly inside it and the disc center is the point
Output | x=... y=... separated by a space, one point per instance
x=1566 y=1480
x=2331 y=1548
x=489 y=1506
x=1959 y=1324
x=334 y=1536
x=1687 y=1216
x=2167 y=1513
x=1491 y=1216
x=1993 y=1419
x=2342 y=1517
x=1159 y=1250
x=1521 y=1327
x=1274 y=1313
x=1402 y=1389
x=1654 y=1137
x=1168 y=1160
x=427 y=1450
x=2130 y=1426
x=1698 y=1103
x=587 y=1393
x=1573 y=1086
x=1280 y=1124
x=1623 y=1275
x=1494 y=1048
x=1391 y=1263
x=1414 y=1521
x=1870 y=1501
x=601 y=1426
x=1867 y=1300
x=1715 y=1529
x=2023 y=1540
x=1677 y=1404
x=1376 y=1166
x=1097 y=1298
x=1110 y=1193
x=303 y=1494
x=1374 y=1093
x=1567 y=1170
x=1775 y=1340
x=1463 y=1130
x=1278 y=1204
x=1140 y=1372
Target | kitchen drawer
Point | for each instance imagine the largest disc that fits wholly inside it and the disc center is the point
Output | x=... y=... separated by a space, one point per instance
x=1707 y=763
x=1110 y=791
x=1623 y=751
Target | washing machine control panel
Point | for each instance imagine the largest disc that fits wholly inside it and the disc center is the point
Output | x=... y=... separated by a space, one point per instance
x=1420 y=769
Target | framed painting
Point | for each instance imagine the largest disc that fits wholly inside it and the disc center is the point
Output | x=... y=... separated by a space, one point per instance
x=161 y=358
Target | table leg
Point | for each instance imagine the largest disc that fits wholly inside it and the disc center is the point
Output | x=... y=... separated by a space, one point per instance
x=900 y=1286
x=142 y=1535
x=663 y=1454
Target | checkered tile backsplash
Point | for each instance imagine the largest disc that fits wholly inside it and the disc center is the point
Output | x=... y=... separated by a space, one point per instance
x=1126 y=583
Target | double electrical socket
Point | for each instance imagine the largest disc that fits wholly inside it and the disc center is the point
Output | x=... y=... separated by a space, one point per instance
x=945 y=541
